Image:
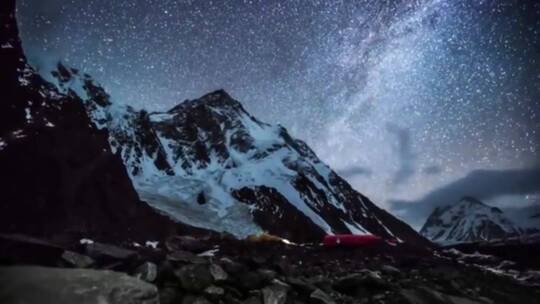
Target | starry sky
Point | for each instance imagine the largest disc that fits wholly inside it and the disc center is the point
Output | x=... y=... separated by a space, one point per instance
x=405 y=99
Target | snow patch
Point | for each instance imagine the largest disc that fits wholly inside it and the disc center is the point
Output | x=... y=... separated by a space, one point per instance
x=151 y=244
x=209 y=253
x=85 y=241
x=18 y=133
x=355 y=228
x=28 y=115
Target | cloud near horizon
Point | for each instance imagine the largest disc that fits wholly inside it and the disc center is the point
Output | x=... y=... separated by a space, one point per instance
x=481 y=184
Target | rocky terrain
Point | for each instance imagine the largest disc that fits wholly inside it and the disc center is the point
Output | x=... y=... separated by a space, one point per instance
x=225 y=270
x=469 y=220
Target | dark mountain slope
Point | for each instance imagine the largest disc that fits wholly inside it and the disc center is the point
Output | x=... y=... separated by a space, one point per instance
x=57 y=172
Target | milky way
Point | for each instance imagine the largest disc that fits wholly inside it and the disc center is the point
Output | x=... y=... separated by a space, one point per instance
x=400 y=97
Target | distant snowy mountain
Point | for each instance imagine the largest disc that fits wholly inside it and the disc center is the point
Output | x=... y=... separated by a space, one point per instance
x=210 y=164
x=469 y=220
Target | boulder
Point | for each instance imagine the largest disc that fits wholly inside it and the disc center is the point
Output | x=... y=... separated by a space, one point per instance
x=108 y=251
x=146 y=272
x=301 y=285
x=252 y=300
x=187 y=243
x=194 y=277
x=321 y=297
x=425 y=295
x=389 y=269
x=183 y=256
x=23 y=249
x=43 y=285
x=368 y=280
x=169 y=295
x=274 y=294
x=251 y=280
x=190 y=299
x=214 y=292
x=77 y=260
x=232 y=267
x=218 y=273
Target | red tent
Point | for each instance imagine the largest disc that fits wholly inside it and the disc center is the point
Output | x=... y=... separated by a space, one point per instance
x=351 y=240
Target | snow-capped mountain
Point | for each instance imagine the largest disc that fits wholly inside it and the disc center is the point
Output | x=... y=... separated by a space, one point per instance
x=210 y=164
x=469 y=220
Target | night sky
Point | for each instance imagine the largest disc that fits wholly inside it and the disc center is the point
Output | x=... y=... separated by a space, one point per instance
x=403 y=98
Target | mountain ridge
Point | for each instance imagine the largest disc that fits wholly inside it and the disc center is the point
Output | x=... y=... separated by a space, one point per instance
x=469 y=220
x=250 y=174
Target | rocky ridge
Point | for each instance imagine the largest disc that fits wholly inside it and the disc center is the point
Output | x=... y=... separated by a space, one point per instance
x=209 y=163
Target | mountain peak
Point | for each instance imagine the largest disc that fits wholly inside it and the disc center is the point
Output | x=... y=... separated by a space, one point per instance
x=216 y=99
x=471 y=200
x=217 y=94
x=250 y=176
x=468 y=220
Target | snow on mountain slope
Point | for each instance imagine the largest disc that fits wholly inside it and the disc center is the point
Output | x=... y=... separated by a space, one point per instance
x=209 y=163
x=469 y=220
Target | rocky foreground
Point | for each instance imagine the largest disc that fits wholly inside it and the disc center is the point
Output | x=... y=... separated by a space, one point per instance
x=224 y=270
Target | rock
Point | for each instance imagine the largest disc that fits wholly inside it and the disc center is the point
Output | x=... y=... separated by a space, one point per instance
x=274 y=294
x=373 y=280
x=194 y=277
x=369 y=280
x=389 y=269
x=349 y=284
x=301 y=285
x=185 y=257
x=283 y=266
x=252 y=300
x=169 y=295
x=232 y=267
x=190 y=299
x=218 y=273
x=188 y=243
x=146 y=272
x=77 y=260
x=107 y=251
x=321 y=282
x=214 y=290
x=505 y=265
x=251 y=280
x=425 y=295
x=233 y=292
x=23 y=249
x=43 y=285
x=267 y=274
x=255 y=261
x=320 y=297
